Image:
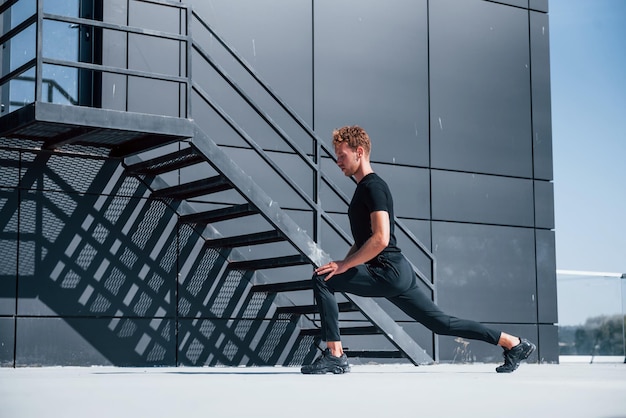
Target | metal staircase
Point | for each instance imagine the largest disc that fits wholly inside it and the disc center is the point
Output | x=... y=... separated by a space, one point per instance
x=145 y=143
x=304 y=250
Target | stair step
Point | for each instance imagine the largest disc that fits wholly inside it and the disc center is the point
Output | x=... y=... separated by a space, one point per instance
x=244 y=240
x=194 y=188
x=141 y=144
x=166 y=163
x=218 y=215
x=283 y=287
x=370 y=330
x=374 y=353
x=312 y=309
x=269 y=263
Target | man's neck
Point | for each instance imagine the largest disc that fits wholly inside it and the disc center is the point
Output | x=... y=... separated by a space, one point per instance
x=363 y=171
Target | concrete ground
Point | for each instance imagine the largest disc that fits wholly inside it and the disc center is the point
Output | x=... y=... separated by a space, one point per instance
x=567 y=390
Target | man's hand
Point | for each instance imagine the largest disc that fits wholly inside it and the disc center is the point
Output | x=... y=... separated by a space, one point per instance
x=370 y=249
x=332 y=268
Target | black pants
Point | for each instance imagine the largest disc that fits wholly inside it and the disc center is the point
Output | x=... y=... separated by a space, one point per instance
x=392 y=277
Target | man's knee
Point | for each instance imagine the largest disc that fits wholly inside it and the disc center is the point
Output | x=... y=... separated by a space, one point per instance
x=318 y=280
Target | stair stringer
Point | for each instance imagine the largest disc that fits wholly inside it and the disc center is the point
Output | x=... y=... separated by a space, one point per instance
x=208 y=232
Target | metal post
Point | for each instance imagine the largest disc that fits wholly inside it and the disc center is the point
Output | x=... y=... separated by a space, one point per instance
x=39 y=53
x=189 y=52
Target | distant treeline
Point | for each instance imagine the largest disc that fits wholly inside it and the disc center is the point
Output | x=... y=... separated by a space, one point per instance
x=600 y=336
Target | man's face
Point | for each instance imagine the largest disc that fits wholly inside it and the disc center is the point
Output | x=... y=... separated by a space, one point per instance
x=347 y=159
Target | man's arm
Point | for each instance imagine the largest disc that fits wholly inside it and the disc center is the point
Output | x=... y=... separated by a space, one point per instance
x=370 y=249
x=351 y=251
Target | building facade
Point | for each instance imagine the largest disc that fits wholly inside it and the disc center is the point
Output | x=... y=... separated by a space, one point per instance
x=167 y=181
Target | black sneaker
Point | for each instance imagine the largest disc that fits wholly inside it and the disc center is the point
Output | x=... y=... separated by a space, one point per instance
x=515 y=355
x=327 y=363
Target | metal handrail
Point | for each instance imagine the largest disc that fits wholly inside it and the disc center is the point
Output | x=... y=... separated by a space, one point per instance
x=52 y=84
x=38 y=62
x=303 y=195
x=295 y=117
x=115 y=26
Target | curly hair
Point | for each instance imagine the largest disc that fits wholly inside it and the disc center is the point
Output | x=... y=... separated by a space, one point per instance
x=354 y=136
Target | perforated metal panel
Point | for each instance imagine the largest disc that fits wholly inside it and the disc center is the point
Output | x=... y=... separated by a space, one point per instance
x=41 y=131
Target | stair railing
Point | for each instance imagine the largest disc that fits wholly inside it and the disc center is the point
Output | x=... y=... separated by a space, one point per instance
x=322 y=150
x=38 y=61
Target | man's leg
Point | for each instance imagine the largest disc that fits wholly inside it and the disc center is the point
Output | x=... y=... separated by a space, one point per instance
x=362 y=280
x=419 y=307
x=332 y=360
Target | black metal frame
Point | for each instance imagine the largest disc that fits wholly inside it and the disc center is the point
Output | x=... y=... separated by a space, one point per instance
x=39 y=60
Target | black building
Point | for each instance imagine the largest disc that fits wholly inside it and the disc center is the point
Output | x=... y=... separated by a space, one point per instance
x=167 y=181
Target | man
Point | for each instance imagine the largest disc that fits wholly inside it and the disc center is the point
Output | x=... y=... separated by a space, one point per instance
x=375 y=267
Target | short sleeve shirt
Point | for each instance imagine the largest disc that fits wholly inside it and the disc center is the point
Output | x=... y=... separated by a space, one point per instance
x=371 y=195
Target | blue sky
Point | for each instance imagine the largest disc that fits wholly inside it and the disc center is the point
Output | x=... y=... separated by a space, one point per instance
x=588 y=82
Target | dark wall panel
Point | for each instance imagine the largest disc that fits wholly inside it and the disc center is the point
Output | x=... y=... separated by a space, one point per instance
x=270 y=181
x=480 y=87
x=539 y=5
x=114 y=53
x=421 y=231
x=460 y=350
x=548 y=344
x=333 y=242
x=157 y=17
x=143 y=53
x=56 y=173
x=9 y=168
x=544 y=204
x=486 y=273
x=410 y=188
x=83 y=254
x=541 y=100
x=466 y=197
x=8 y=248
x=95 y=342
x=230 y=91
x=155 y=97
x=9 y=197
x=371 y=70
x=517 y=3
x=276 y=41
x=7 y=341
x=546 y=277
x=206 y=290
x=210 y=121
x=295 y=168
x=215 y=342
x=115 y=11
x=233 y=120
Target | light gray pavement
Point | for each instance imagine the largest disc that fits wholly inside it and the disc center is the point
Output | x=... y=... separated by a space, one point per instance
x=567 y=390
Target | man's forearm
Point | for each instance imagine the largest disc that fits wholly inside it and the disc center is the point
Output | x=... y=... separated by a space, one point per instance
x=370 y=249
x=351 y=251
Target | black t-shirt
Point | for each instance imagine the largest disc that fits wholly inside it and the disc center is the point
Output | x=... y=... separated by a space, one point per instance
x=371 y=195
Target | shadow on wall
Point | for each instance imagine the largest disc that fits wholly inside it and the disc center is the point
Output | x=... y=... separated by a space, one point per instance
x=105 y=275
